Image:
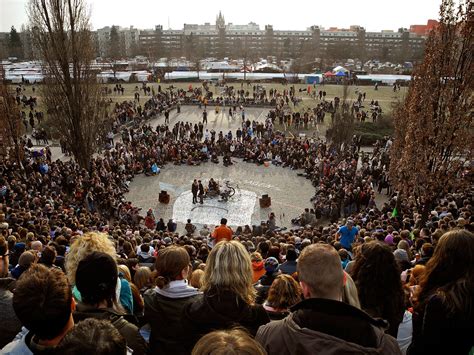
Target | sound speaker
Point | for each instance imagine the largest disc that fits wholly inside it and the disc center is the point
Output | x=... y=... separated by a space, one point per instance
x=164 y=197
x=265 y=201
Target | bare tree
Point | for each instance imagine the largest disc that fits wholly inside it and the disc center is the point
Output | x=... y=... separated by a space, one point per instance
x=10 y=122
x=342 y=122
x=61 y=33
x=434 y=128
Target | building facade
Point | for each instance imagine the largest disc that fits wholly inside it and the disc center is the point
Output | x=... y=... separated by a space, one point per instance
x=128 y=41
x=221 y=40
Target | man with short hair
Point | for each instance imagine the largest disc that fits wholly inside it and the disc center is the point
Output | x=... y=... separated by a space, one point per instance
x=222 y=232
x=43 y=303
x=322 y=323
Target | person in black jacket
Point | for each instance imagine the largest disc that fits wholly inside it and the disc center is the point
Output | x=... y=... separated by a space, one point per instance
x=443 y=320
x=195 y=190
x=96 y=280
x=271 y=273
x=164 y=303
x=228 y=298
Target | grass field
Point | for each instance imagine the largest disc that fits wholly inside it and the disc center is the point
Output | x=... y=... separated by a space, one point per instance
x=385 y=95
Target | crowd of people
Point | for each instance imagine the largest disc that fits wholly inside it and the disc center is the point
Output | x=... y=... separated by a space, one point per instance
x=82 y=271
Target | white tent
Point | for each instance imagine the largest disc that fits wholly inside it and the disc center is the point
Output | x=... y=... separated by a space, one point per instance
x=339 y=68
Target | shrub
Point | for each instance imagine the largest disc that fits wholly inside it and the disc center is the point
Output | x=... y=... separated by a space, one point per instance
x=371 y=132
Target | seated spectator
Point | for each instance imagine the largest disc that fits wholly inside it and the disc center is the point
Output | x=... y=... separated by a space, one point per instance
x=350 y=295
x=48 y=257
x=258 y=266
x=443 y=320
x=43 y=303
x=171 y=226
x=427 y=251
x=322 y=322
x=228 y=298
x=93 y=336
x=96 y=279
x=26 y=259
x=9 y=323
x=143 y=279
x=189 y=227
x=87 y=244
x=164 y=304
x=145 y=255
x=124 y=272
x=160 y=225
x=289 y=266
x=196 y=278
x=204 y=231
x=345 y=258
x=235 y=341
x=378 y=281
x=283 y=294
x=414 y=276
x=264 y=283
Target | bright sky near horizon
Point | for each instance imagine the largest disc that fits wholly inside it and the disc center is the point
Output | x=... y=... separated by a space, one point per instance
x=374 y=15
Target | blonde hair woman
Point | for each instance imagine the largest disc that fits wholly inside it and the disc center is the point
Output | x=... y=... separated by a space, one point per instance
x=350 y=294
x=124 y=272
x=86 y=245
x=228 y=298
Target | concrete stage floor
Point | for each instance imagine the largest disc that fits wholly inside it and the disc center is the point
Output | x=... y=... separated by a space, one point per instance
x=289 y=192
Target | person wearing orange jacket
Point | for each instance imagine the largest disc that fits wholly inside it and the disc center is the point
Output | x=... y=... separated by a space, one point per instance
x=222 y=232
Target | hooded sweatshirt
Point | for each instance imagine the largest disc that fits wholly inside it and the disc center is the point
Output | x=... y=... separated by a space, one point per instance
x=258 y=270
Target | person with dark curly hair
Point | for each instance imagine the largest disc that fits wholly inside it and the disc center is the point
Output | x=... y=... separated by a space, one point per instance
x=93 y=336
x=377 y=277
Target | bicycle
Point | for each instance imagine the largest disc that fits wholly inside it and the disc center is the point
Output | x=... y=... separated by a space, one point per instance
x=228 y=191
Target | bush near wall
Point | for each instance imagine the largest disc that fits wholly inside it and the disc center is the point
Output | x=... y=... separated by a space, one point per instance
x=371 y=132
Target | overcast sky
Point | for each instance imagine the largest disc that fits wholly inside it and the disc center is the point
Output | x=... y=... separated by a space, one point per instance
x=374 y=15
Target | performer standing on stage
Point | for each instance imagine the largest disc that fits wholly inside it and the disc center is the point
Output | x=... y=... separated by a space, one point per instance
x=195 y=190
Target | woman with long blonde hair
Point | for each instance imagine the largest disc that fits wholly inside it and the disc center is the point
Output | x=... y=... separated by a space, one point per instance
x=228 y=298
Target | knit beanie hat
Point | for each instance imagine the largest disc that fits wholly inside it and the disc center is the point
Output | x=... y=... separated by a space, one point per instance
x=271 y=265
x=400 y=255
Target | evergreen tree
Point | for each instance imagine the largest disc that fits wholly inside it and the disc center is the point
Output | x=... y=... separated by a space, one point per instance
x=15 y=47
x=115 y=48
